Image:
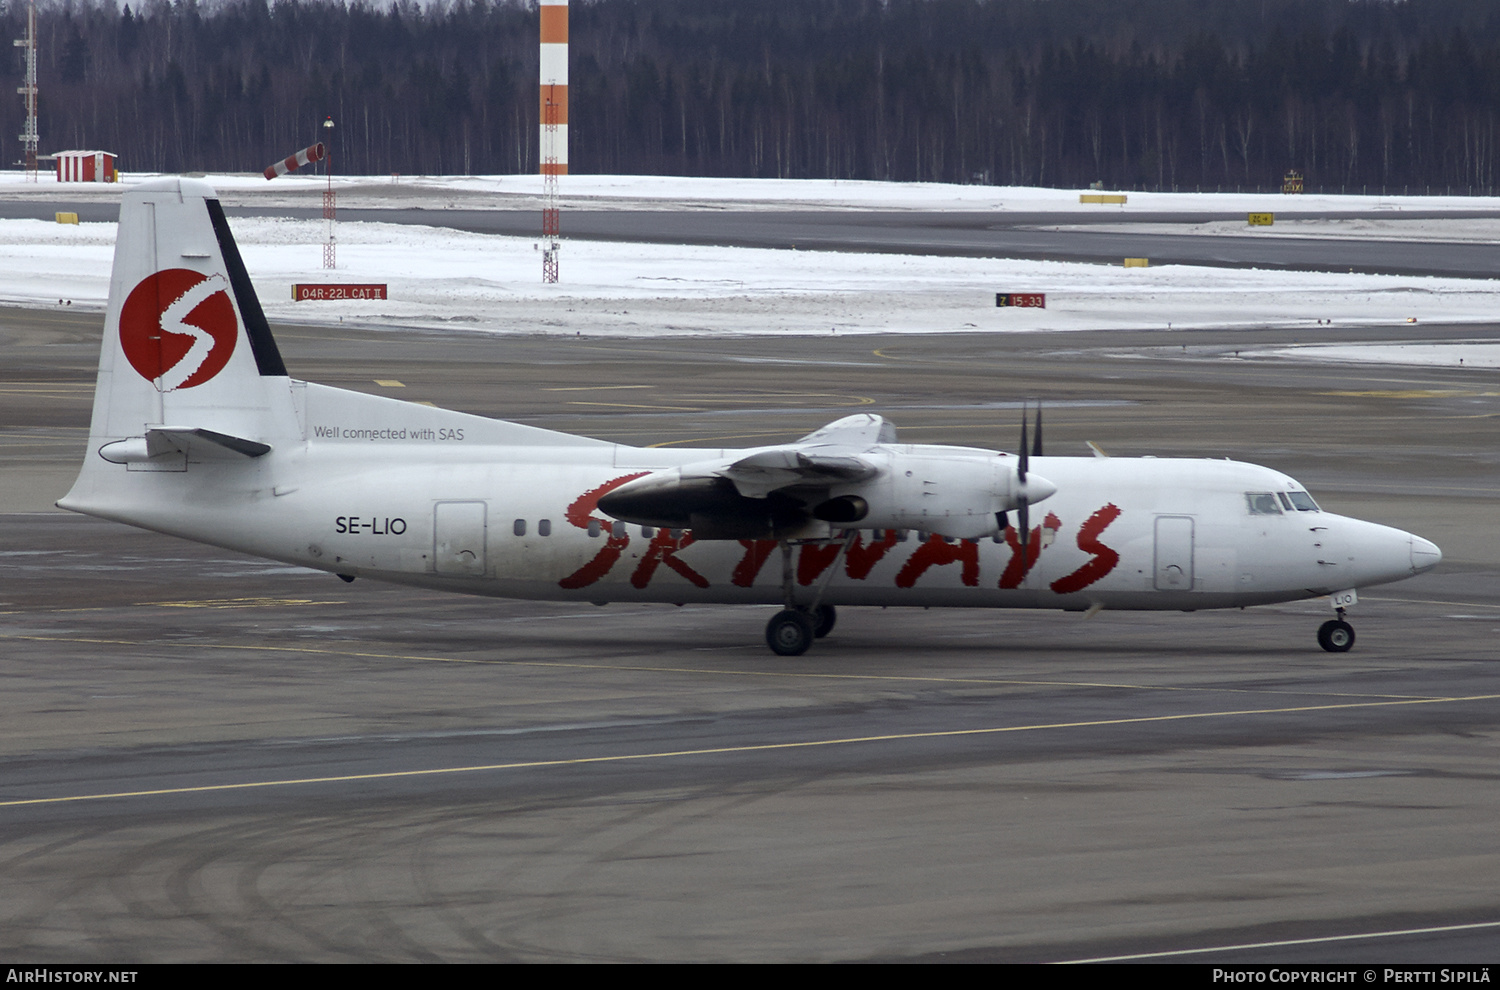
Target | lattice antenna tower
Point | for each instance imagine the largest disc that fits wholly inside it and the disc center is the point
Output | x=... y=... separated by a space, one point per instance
x=330 y=204
x=551 y=212
x=29 y=137
x=554 y=126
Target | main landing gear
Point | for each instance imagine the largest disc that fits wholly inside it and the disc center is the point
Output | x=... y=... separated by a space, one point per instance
x=792 y=630
x=1336 y=635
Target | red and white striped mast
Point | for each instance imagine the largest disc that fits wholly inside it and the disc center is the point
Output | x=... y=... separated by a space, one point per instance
x=554 y=126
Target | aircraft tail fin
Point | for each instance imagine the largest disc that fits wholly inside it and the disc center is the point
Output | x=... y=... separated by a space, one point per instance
x=185 y=341
x=188 y=364
x=189 y=373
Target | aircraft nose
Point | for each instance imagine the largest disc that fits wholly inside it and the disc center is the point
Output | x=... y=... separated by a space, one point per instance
x=1378 y=554
x=1425 y=555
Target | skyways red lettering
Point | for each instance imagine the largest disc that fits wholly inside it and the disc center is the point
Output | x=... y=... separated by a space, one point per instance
x=580 y=514
x=859 y=559
x=1104 y=558
x=1017 y=569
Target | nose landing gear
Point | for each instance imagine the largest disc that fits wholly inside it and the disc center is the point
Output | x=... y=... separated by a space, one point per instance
x=1336 y=635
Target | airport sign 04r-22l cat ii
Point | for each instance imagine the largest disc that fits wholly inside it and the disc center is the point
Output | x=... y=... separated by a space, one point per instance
x=198 y=431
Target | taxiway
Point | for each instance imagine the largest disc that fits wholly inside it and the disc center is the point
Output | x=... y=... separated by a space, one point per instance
x=207 y=757
x=970 y=234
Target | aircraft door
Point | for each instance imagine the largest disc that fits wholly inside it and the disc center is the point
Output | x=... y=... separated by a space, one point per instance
x=1174 y=553
x=458 y=538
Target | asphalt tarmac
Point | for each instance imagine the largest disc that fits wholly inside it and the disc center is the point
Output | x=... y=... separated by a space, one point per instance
x=208 y=757
x=947 y=233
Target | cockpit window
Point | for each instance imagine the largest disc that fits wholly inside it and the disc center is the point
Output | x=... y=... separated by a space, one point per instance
x=1262 y=504
x=1304 y=502
x=1286 y=503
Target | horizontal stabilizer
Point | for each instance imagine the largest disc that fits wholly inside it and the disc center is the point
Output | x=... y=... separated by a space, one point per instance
x=205 y=443
x=164 y=441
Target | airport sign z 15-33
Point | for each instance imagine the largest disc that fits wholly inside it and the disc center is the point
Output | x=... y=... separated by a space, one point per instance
x=1036 y=300
x=304 y=291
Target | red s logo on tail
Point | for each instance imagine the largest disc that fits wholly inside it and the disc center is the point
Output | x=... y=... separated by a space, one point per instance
x=178 y=328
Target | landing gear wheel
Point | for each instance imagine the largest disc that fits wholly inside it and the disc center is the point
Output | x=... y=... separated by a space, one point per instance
x=1336 y=636
x=823 y=619
x=790 y=632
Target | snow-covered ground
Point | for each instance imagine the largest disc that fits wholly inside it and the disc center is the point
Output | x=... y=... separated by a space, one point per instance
x=442 y=278
x=1447 y=354
x=446 y=278
x=507 y=192
x=1396 y=227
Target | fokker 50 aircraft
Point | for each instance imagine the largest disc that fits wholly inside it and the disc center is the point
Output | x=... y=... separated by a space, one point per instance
x=198 y=431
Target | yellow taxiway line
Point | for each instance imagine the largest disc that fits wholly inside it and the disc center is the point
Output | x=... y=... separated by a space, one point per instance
x=722 y=750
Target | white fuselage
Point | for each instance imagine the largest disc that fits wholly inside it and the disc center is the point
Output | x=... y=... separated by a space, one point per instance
x=521 y=522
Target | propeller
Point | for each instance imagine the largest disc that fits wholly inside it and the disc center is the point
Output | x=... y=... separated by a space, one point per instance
x=1023 y=506
x=1031 y=446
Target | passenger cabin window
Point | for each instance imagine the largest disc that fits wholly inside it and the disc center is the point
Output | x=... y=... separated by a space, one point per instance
x=1262 y=504
x=594 y=529
x=544 y=527
x=1304 y=502
x=519 y=528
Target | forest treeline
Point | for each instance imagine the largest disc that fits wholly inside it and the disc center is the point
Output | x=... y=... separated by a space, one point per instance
x=1131 y=93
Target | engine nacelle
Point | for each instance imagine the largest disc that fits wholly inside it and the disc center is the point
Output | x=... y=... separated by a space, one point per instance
x=781 y=493
x=955 y=492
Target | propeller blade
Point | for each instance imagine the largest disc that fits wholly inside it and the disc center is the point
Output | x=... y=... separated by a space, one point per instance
x=1036 y=443
x=1021 y=468
x=1023 y=518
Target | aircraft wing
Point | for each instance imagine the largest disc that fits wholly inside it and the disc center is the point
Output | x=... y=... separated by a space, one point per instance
x=754 y=493
x=864 y=429
x=769 y=469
